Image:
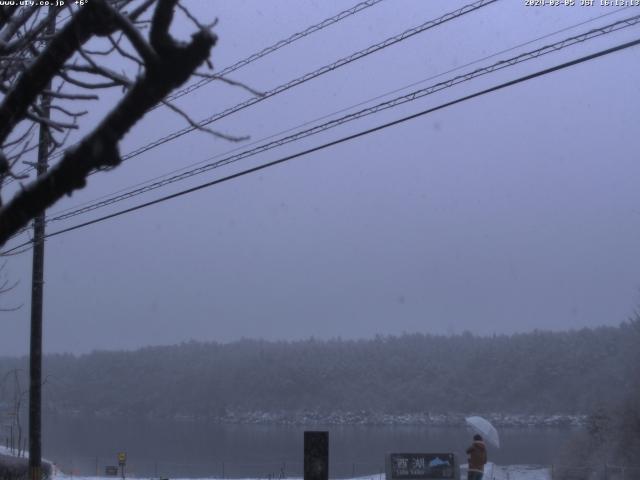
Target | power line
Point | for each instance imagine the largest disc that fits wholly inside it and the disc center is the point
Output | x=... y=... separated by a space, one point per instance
x=362 y=133
x=276 y=46
x=92 y=205
x=255 y=56
x=412 y=96
x=374 y=109
x=312 y=75
x=342 y=110
x=382 y=106
x=316 y=73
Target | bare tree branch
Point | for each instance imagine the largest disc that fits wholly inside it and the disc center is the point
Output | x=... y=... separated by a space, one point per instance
x=96 y=69
x=13 y=26
x=6 y=287
x=68 y=112
x=195 y=20
x=6 y=12
x=55 y=124
x=135 y=14
x=70 y=96
x=20 y=139
x=55 y=144
x=159 y=36
x=87 y=85
x=124 y=53
x=199 y=127
x=109 y=51
x=133 y=35
x=175 y=62
x=88 y=21
x=228 y=81
x=32 y=33
x=15 y=158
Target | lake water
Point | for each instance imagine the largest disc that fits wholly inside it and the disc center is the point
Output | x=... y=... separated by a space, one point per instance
x=197 y=449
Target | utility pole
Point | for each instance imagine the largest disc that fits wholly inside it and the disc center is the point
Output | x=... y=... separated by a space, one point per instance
x=37 y=280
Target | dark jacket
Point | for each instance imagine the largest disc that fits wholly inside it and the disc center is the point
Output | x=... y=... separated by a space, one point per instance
x=477 y=456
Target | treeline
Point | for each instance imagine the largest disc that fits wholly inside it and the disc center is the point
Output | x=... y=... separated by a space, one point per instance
x=609 y=447
x=539 y=372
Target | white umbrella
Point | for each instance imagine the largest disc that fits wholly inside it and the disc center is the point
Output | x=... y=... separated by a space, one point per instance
x=484 y=428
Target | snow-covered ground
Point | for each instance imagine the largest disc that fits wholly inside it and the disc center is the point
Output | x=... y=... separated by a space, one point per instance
x=513 y=472
x=493 y=472
x=498 y=472
x=521 y=472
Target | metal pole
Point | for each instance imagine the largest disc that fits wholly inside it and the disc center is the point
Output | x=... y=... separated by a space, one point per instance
x=35 y=357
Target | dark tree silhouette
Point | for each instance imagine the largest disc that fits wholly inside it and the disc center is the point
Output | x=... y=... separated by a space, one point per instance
x=51 y=61
x=41 y=72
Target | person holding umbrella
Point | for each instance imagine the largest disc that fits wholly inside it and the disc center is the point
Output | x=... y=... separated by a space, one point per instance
x=477 y=453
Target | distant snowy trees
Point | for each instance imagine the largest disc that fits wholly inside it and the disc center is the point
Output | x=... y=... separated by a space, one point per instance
x=12 y=408
x=610 y=446
x=538 y=372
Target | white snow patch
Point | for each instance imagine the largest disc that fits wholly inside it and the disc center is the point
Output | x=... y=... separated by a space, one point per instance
x=493 y=472
x=521 y=472
x=12 y=453
x=511 y=472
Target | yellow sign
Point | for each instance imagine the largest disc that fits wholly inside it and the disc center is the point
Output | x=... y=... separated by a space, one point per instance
x=122 y=458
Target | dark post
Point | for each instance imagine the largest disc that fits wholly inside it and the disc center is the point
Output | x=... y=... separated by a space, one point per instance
x=35 y=358
x=316 y=455
x=37 y=279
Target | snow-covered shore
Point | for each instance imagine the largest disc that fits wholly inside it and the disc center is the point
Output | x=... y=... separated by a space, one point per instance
x=493 y=472
x=499 y=472
x=377 y=418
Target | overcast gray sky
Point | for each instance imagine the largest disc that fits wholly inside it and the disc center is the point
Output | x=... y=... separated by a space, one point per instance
x=511 y=212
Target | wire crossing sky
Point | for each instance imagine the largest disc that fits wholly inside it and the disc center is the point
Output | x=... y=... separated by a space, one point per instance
x=497 y=211
x=317 y=73
x=350 y=137
x=307 y=77
x=310 y=75
x=251 y=58
x=97 y=202
x=413 y=96
x=593 y=33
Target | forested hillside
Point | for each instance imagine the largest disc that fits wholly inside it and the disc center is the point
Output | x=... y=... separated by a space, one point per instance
x=538 y=372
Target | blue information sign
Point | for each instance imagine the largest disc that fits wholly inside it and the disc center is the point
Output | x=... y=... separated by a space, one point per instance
x=421 y=466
